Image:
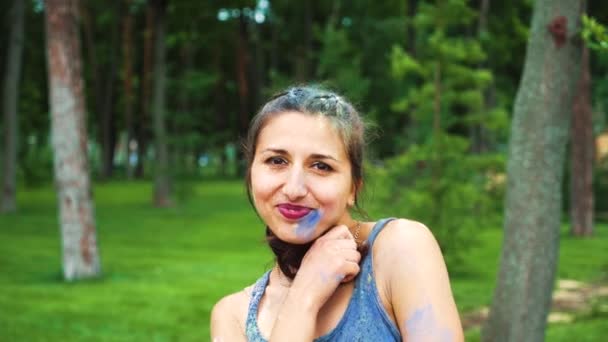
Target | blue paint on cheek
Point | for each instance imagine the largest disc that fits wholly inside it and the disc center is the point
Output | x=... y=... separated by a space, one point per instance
x=307 y=224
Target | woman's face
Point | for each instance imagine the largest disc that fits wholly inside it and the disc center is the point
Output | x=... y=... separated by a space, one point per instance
x=301 y=180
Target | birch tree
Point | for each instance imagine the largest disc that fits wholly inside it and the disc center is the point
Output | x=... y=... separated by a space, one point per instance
x=69 y=141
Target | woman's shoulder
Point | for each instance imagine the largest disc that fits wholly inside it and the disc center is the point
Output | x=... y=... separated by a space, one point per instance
x=414 y=277
x=235 y=301
x=402 y=241
x=401 y=232
x=230 y=312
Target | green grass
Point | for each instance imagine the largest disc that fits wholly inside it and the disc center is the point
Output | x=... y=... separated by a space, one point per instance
x=164 y=269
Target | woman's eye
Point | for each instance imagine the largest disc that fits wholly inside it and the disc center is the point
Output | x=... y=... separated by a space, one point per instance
x=322 y=166
x=275 y=161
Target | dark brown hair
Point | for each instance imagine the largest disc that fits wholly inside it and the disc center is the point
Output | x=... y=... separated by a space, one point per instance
x=346 y=120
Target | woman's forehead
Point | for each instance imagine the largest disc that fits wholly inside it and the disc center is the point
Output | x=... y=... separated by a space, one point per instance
x=298 y=131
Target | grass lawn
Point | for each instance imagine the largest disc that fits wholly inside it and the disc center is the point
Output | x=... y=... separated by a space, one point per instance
x=164 y=269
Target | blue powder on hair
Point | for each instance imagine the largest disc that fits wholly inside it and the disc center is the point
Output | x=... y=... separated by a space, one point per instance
x=306 y=226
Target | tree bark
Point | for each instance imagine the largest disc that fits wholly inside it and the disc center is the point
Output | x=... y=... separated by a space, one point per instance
x=96 y=75
x=103 y=78
x=220 y=106
x=127 y=50
x=69 y=140
x=257 y=71
x=107 y=122
x=479 y=134
x=582 y=152
x=11 y=96
x=146 y=88
x=162 y=187
x=539 y=133
x=242 y=66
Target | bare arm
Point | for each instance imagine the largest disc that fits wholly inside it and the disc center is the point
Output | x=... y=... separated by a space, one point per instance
x=419 y=285
x=296 y=320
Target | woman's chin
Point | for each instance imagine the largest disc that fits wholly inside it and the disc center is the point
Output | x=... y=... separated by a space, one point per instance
x=294 y=237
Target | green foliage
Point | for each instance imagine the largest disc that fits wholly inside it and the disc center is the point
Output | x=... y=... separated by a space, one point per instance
x=164 y=269
x=438 y=183
x=344 y=76
x=449 y=81
x=35 y=163
x=594 y=34
x=437 y=180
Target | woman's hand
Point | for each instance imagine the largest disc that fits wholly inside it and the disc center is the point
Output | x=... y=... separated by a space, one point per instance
x=332 y=259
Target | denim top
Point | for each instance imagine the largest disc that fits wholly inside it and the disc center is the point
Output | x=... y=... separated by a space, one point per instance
x=365 y=318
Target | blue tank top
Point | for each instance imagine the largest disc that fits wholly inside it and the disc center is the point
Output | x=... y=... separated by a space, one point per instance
x=365 y=318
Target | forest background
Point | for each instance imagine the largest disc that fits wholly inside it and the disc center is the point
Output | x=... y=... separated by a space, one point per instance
x=169 y=89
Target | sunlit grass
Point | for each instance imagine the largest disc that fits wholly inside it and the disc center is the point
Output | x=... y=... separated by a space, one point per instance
x=163 y=269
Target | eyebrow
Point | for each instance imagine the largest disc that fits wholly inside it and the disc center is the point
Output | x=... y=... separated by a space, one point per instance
x=313 y=156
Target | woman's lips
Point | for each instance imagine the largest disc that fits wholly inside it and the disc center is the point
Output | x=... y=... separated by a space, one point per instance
x=293 y=212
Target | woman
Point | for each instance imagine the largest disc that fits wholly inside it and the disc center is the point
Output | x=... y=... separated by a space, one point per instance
x=336 y=278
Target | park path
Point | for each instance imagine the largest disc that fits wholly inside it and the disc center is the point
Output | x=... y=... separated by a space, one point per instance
x=570 y=298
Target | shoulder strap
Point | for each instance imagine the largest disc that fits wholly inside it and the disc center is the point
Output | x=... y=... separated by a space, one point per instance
x=376 y=230
x=256 y=295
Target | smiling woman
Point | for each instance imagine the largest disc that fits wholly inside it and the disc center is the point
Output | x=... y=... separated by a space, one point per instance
x=336 y=278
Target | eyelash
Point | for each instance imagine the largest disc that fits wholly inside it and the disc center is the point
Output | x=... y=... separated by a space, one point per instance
x=324 y=167
x=273 y=160
x=278 y=161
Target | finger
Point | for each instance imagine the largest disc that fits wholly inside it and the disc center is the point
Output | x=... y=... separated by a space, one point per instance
x=351 y=271
x=348 y=278
x=339 y=232
x=351 y=255
x=344 y=244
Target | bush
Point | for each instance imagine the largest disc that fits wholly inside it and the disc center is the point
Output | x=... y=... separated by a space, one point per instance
x=35 y=165
x=451 y=191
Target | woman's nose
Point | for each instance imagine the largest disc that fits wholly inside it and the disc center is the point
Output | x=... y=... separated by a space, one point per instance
x=295 y=185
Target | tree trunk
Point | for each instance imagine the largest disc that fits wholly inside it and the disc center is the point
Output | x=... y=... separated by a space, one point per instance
x=257 y=71
x=11 y=96
x=107 y=122
x=162 y=188
x=479 y=134
x=412 y=8
x=275 y=26
x=146 y=87
x=582 y=151
x=437 y=102
x=307 y=49
x=96 y=75
x=69 y=140
x=242 y=66
x=220 y=106
x=127 y=50
x=482 y=24
x=179 y=151
x=103 y=78
x=539 y=133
